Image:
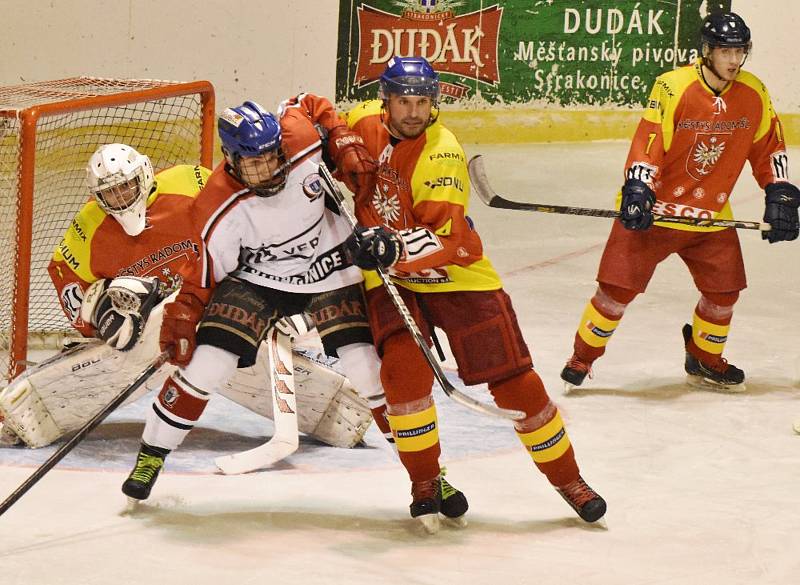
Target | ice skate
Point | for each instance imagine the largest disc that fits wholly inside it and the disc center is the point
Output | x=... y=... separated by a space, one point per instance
x=583 y=499
x=718 y=377
x=149 y=463
x=427 y=503
x=454 y=503
x=575 y=372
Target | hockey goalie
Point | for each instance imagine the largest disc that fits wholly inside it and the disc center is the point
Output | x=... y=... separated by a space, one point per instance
x=113 y=271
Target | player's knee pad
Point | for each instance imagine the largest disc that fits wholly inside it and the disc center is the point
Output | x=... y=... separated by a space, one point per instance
x=210 y=368
x=717 y=305
x=525 y=392
x=615 y=298
x=362 y=366
x=405 y=374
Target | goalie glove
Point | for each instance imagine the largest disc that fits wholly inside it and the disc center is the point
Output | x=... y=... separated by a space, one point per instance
x=118 y=309
x=355 y=167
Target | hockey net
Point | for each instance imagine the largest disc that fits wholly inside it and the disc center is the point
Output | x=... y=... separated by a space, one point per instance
x=48 y=131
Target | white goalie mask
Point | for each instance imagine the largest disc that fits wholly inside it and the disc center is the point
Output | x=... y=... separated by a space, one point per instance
x=120 y=179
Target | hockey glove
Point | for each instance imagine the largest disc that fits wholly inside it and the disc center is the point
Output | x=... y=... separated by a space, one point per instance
x=780 y=212
x=119 y=308
x=179 y=327
x=355 y=167
x=372 y=247
x=638 y=199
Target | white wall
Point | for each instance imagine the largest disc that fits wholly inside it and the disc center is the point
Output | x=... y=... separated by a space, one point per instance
x=264 y=49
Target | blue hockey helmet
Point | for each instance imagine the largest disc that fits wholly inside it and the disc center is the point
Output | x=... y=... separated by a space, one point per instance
x=725 y=29
x=409 y=76
x=248 y=131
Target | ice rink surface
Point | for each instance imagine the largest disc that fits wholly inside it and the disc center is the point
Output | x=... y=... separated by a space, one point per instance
x=701 y=487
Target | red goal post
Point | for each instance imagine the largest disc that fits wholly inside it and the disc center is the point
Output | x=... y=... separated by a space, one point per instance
x=48 y=131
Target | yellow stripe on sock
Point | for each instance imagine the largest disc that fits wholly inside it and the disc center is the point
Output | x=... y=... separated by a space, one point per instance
x=547 y=443
x=415 y=432
x=595 y=329
x=709 y=337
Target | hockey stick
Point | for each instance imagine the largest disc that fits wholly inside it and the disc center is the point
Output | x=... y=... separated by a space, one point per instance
x=397 y=300
x=481 y=186
x=62 y=451
x=285 y=440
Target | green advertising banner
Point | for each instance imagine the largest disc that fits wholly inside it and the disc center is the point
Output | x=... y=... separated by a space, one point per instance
x=525 y=52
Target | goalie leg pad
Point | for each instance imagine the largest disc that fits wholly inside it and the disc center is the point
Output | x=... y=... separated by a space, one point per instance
x=328 y=408
x=65 y=391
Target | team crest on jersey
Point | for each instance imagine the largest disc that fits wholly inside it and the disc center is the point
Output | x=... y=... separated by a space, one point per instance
x=170 y=397
x=312 y=187
x=388 y=207
x=705 y=154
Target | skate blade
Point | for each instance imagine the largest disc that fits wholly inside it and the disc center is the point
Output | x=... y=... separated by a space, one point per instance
x=569 y=387
x=701 y=383
x=429 y=522
x=459 y=522
x=131 y=506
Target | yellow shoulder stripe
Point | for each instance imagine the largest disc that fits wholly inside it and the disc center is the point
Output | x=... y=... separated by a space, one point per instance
x=76 y=247
x=362 y=110
x=767 y=112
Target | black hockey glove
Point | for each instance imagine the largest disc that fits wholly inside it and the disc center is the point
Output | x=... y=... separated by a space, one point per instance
x=780 y=212
x=375 y=246
x=636 y=212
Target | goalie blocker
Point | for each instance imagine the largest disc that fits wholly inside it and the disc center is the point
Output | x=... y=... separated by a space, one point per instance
x=62 y=393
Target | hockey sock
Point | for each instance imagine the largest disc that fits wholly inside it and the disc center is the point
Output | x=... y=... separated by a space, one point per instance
x=181 y=400
x=542 y=432
x=362 y=366
x=174 y=412
x=407 y=380
x=416 y=437
x=599 y=321
x=710 y=325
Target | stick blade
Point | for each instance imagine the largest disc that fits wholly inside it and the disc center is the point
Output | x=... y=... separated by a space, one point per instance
x=479 y=180
x=261 y=457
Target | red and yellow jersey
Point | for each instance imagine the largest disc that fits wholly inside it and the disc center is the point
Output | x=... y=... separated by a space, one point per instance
x=423 y=192
x=691 y=143
x=95 y=246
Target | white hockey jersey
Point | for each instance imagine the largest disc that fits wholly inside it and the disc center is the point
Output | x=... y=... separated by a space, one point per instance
x=290 y=241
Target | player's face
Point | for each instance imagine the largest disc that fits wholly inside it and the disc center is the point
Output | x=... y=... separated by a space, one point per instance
x=409 y=115
x=121 y=196
x=260 y=169
x=727 y=61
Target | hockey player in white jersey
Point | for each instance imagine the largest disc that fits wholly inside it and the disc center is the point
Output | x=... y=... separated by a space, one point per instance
x=270 y=247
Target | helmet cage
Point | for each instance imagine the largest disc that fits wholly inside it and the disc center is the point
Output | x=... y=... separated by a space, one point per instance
x=256 y=182
x=120 y=180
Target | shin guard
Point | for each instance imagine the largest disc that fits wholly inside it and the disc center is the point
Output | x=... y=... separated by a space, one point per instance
x=542 y=432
